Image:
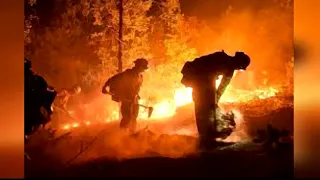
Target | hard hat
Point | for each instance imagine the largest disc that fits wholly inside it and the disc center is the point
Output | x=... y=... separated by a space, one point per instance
x=242 y=60
x=142 y=62
x=77 y=89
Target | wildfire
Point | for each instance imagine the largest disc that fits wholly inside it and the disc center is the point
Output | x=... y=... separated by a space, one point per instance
x=182 y=97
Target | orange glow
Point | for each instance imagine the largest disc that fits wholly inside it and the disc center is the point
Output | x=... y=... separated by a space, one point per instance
x=66 y=127
x=167 y=39
x=183 y=96
x=242 y=31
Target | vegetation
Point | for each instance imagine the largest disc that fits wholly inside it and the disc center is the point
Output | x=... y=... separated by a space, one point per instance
x=80 y=45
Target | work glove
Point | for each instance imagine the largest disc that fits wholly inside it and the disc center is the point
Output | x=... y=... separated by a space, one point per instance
x=136 y=98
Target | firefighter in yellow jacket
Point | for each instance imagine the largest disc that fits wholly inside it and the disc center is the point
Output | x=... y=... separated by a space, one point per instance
x=124 y=88
x=200 y=74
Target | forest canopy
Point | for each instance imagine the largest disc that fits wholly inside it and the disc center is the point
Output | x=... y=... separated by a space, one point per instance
x=78 y=43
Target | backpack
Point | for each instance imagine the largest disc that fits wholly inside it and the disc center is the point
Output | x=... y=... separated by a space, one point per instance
x=188 y=73
x=115 y=87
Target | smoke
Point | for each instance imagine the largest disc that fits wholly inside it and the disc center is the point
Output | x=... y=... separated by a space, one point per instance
x=240 y=132
x=109 y=142
x=263 y=30
x=264 y=33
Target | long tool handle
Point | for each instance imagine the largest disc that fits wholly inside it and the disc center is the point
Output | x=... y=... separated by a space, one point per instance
x=129 y=101
x=66 y=113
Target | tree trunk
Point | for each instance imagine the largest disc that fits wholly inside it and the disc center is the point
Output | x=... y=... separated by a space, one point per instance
x=120 y=6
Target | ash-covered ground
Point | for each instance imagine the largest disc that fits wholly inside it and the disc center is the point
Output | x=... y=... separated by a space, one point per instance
x=166 y=148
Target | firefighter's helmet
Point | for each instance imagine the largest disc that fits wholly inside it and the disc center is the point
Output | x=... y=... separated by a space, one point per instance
x=242 y=59
x=141 y=62
x=77 y=89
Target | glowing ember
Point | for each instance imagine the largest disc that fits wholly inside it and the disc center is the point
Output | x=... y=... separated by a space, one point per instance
x=66 y=127
x=75 y=125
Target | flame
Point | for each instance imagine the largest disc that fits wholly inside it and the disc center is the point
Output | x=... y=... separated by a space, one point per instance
x=183 y=96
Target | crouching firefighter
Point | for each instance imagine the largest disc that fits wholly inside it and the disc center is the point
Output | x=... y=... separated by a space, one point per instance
x=61 y=105
x=38 y=100
x=201 y=75
x=124 y=88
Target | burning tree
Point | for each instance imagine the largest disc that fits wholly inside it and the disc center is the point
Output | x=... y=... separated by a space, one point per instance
x=29 y=17
x=135 y=33
x=171 y=49
x=61 y=48
x=82 y=45
x=138 y=42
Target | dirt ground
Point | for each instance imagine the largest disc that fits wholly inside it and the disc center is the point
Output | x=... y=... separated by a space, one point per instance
x=165 y=155
x=219 y=163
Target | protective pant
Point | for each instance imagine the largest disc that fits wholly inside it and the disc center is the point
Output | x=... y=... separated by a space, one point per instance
x=205 y=106
x=129 y=112
x=33 y=119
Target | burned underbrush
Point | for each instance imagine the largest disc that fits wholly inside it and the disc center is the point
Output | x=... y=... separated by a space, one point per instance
x=63 y=149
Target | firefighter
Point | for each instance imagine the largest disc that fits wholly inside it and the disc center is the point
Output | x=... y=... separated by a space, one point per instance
x=38 y=99
x=29 y=106
x=64 y=96
x=200 y=74
x=62 y=104
x=124 y=88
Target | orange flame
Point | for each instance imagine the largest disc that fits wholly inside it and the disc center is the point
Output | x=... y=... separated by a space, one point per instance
x=183 y=96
